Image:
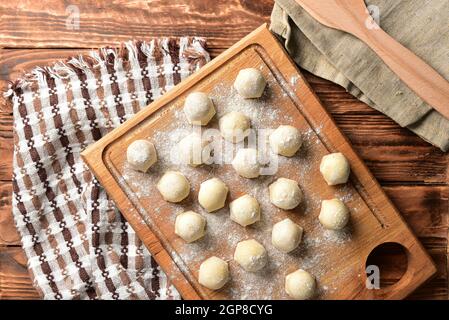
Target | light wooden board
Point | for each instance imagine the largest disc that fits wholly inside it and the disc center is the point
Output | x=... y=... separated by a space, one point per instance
x=374 y=222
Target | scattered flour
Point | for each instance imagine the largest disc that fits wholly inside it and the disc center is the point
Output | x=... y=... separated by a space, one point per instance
x=314 y=253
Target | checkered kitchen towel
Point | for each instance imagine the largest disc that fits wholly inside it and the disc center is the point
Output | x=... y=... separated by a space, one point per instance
x=78 y=244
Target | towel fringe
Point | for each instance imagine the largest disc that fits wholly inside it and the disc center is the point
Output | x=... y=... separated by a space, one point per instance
x=130 y=52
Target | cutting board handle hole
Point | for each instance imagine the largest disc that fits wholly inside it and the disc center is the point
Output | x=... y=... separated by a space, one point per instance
x=389 y=258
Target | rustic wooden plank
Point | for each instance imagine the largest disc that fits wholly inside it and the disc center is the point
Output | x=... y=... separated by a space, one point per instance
x=6 y=146
x=15 y=282
x=43 y=24
x=424 y=208
x=16 y=61
x=8 y=232
x=435 y=288
x=393 y=154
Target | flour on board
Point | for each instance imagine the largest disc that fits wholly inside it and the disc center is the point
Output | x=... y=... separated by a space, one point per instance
x=222 y=234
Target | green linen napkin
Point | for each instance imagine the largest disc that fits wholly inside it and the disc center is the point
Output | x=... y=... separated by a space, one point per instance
x=421 y=26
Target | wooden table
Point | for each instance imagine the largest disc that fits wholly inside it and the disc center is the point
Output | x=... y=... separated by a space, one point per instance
x=412 y=172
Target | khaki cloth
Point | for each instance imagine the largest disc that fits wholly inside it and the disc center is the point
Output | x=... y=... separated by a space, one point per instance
x=421 y=26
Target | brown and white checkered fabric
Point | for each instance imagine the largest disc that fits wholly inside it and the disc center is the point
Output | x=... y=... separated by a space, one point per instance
x=78 y=244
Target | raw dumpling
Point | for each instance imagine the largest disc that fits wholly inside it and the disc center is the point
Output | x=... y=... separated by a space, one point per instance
x=335 y=168
x=286 y=235
x=173 y=186
x=245 y=210
x=246 y=163
x=334 y=214
x=250 y=255
x=214 y=273
x=300 y=285
x=250 y=83
x=234 y=126
x=190 y=226
x=141 y=155
x=199 y=108
x=285 y=140
x=193 y=150
x=212 y=194
x=285 y=193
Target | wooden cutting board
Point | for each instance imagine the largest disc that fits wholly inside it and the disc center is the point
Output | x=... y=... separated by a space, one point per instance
x=337 y=259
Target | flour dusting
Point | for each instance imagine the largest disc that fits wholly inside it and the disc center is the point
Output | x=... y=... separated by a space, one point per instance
x=318 y=246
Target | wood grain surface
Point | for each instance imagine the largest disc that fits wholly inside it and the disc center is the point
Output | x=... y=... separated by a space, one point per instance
x=413 y=173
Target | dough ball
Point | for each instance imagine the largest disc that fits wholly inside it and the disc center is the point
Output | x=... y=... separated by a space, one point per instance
x=250 y=83
x=173 y=186
x=286 y=235
x=334 y=214
x=214 y=273
x=234 y=126
x=193 y=150
x=300 y=285
x=212 y=194
x=285 y=193
x=245 y=210
x=141 y=155
x=190 y=226
x=285 y=140
x=250 y=255
x=246 y=163
x=335 y=168
x=199 y=108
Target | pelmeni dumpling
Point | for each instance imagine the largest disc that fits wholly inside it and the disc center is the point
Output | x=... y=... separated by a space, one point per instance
x=334 y=214
x=246 y=163
x=250 y=255
x=141 y=155
x=285 y=140
x=250 y=83
x=199 y=108
x=234 y=126
x=213 y=273
x=335 y=168
x=300 y=285
x=173 y=186
x=193 y=150
x=190 y=226
x=212 y=194
x=286 y=235
x=245 y=210
x=285 y=193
